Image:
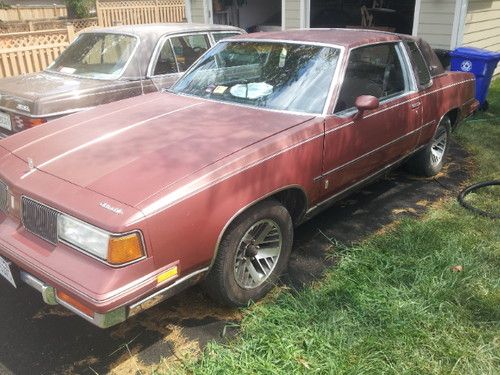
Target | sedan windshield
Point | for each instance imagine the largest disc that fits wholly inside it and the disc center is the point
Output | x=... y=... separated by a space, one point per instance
x=96 y=55
x=274 y=75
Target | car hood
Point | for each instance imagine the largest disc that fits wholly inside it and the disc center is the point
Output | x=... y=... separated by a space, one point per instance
x=39 y=94
x=132 y=149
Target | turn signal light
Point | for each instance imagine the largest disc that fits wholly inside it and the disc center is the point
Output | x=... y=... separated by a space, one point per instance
x=125 y=249
x=36 y=121
x=75 y=303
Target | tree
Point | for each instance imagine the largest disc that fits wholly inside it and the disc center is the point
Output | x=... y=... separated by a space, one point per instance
x=79 y=8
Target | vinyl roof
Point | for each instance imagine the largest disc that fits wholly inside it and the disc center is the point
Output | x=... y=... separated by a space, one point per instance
x=341 y=37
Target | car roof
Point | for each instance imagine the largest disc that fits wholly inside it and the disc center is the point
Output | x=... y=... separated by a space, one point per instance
x=348 y=38
x=161 y=29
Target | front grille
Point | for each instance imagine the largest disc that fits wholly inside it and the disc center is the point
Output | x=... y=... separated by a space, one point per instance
x=4 y=197
x=40 y=219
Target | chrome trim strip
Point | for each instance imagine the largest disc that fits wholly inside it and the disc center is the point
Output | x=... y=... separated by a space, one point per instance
x=48 y=293
x=368 y=153
x=162 y=294
x=352 y=187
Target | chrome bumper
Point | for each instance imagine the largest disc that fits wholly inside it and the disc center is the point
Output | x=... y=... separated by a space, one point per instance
x=49 y=297
x=120 y=314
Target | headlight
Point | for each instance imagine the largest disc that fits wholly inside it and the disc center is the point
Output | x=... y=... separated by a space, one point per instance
x=113 y=249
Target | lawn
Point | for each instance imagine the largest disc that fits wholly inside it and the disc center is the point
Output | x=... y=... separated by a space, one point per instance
x=395 y=303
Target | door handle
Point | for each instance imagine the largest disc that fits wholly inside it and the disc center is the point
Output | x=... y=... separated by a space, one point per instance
x=416 y=105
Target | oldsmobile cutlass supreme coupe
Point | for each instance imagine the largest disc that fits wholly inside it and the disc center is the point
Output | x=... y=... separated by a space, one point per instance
x=110 y=211
x=103 y=65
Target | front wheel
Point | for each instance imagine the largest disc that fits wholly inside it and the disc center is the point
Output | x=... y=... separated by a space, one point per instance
x=253 y=253
x=429 y=161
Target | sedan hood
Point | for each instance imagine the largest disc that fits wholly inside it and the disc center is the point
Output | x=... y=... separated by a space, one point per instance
x=46 y=93
x=130 y=150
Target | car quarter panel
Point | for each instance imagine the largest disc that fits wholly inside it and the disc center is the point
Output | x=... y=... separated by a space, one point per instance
x=186 y=221
x=449 y=91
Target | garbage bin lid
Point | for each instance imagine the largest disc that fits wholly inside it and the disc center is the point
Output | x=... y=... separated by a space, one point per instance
x=475 y=52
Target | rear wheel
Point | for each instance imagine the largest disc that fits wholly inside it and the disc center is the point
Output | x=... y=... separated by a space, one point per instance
x=253 y=253
x=429 y=161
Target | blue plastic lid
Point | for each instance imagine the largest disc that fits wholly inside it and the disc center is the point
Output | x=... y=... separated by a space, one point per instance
x=475 y=52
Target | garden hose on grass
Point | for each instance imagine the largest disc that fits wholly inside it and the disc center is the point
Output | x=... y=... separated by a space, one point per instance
x=470 y=189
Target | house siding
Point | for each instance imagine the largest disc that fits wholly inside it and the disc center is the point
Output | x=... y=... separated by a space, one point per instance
x=197 y=11
x=482 y=25
x=436 y=22
x=292 y=14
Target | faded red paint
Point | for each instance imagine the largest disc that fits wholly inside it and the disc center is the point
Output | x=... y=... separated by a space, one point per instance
x=181 y=168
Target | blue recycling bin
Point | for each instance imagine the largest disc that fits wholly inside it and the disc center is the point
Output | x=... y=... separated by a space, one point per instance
x=480 y=62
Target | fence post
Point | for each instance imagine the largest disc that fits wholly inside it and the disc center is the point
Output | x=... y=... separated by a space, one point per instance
x=31 y=27
x=157 y=11
x=100 y=21
x=19 y=13
x=71 y=31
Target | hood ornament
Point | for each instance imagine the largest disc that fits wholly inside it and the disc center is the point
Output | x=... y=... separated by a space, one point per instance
x=31 y=164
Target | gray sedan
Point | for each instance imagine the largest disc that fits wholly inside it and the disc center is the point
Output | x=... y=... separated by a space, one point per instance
x=103 y=65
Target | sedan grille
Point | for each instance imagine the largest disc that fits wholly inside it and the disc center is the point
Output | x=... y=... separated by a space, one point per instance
x=4 y=197
x=40 y=220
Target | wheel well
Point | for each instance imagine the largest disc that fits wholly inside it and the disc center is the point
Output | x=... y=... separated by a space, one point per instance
x=294 y=200
x=454 y=116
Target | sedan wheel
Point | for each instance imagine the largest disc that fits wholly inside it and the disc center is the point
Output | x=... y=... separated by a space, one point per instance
x=429 y=161
x=252 y=254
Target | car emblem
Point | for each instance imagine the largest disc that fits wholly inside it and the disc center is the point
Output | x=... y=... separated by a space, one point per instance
x=23 y=107
x=109 y=207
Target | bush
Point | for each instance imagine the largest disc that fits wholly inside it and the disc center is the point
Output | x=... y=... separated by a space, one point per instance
x=79 y=8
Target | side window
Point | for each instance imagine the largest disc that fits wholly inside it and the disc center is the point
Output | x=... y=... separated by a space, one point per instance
x=165 y=62
x=420 y=65
x=220 y=36
x=375 y=70
x=188 y=48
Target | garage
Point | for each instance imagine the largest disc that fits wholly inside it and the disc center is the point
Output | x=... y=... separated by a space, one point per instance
x=388 y=15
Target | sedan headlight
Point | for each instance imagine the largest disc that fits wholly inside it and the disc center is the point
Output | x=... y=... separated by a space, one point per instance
x=114 y=249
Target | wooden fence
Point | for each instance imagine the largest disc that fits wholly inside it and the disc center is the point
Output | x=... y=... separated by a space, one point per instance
x=27 y=13
x=25 y=26
x=31 y=52
x=133 y=12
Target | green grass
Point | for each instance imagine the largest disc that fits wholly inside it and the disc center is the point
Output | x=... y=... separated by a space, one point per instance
x=393 y=304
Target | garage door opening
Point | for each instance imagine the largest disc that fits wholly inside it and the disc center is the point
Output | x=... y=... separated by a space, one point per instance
x=251 y=15
x=387 y=15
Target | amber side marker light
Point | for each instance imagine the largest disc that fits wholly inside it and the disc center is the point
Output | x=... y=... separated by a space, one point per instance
x=167 y=275
x=125 y=249
x=75 y=303
x=36 y=121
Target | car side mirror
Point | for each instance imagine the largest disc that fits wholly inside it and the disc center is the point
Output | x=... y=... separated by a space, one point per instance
x=365 y=103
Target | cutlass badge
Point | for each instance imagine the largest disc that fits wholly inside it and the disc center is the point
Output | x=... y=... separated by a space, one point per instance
x=109 y=207
x=31 y=164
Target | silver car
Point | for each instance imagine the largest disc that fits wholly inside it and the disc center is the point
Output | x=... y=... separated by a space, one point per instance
x=103 y=65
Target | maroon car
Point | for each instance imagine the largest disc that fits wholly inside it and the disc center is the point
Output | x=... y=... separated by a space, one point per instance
x=110 y=211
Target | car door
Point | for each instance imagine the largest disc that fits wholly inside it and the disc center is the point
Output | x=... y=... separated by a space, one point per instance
x=175 y=55
x=356 y=148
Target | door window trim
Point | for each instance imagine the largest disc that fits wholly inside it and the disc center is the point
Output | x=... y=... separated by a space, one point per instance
x=214 y=42
x=408 y=75
x=159 y=46
x=414 y=65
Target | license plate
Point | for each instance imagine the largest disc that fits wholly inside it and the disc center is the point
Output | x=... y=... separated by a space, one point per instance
x=5 y=121
x=6 y=271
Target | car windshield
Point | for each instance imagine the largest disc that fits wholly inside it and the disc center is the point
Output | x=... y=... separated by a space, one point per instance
x=96 y=55
x=274 y=75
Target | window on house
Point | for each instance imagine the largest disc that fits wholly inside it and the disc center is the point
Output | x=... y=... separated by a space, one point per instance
x=375 y=70
x=189 y=48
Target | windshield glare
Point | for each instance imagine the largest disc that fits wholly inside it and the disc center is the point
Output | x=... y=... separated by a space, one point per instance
x=96 y=55
x=280 y=76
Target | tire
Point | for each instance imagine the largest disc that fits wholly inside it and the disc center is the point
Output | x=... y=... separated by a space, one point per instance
x=230 y=281
x=429 y=161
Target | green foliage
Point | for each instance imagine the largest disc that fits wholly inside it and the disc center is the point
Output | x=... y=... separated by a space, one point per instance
x=79 y=8
x=394 y=304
